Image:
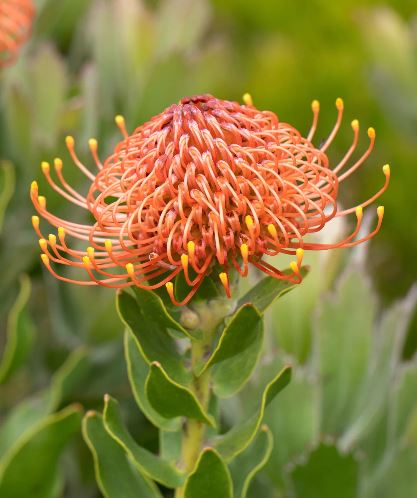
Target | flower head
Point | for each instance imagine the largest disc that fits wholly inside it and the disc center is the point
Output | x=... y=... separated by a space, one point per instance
x=15 y=25
x=206 y=184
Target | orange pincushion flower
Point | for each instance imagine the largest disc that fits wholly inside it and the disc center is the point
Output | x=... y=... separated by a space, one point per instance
x=206 y=182
x=15 y=25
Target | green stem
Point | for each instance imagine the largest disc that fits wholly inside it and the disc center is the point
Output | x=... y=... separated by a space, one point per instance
x=194 y=430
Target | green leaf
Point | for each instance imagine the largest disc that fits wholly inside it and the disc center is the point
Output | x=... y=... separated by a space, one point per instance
x=171 y=399
x=20 y=334
x=245 y=467
x=241 y=435
x=211 y=478
x=32 y=411
x=149 y=325
x=147 y=463
x=240 y=334
x=230 y=375
x=138 y=369
x=7 y=188
x=30 y=467
x=115 y=474
x=170 y=445
x=326 y=474
x=151 y=304
x=343 y=333
x=265 y=292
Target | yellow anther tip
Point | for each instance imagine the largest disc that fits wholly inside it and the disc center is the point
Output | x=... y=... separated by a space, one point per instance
x=299 y=252
x=244 y=250
x=355 y=124
x=294 y=267
x=52 y=239
x=108 y=244
x=386 y=169
x=339 y=104
x=42 y=201
x=191 y=246
x=86 y=261
x=359 y=212
x=371 y=132
x=223 y=278
x=61 y=232
x=130 y=269
x=92 y=143
x=247 y=99
x=119 y=119
x=43 y=244
x=380 y=211
x=184 y=259
x=249 y=221
x=170 y=287
x=45 y=167
x=315 y=105
x=35 y=221
x=34 y=186
x=69 y=140
x=272 y=230
x=45 y=259
x=90 y=252
x=58 y=163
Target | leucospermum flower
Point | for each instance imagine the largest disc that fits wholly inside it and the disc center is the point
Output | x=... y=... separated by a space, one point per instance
x=207 y=184
x=15 y=25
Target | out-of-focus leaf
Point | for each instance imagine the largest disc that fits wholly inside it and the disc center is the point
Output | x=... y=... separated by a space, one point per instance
x=242 y=434
x=30 y=468
x=152 y=335
x=344 y=338
x=30 y=412
x=245 y=467
x=191 y=16
x=294 y=420
x=7 y=185
x=20 y=334
x=210 y=478
x=147 y=463
x=326 y=474
x=115 y=474
x=172 y=400
x=265 y=292
x=47 y=100
x=138 y=369
x=239 y=335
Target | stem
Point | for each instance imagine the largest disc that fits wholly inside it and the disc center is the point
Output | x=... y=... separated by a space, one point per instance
x=210 y=315
x=194 y=430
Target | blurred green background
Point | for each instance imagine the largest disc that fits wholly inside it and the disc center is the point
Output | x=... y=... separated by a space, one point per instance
x=91 y=59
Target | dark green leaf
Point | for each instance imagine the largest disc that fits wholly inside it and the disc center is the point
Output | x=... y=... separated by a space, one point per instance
x=246 y=465
x=211 y=478
x=241 y=435
x=326 y=474
x=147 y=463
x=151 y=333
x=30 y=467
x=265 y=292
x=19 y=334
x=7 y=188
x=239 y=335
x=171 y=399
x=138 y=369
x=115 y=474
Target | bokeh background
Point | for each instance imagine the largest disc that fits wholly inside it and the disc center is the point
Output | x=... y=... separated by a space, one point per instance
x=89 y=60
